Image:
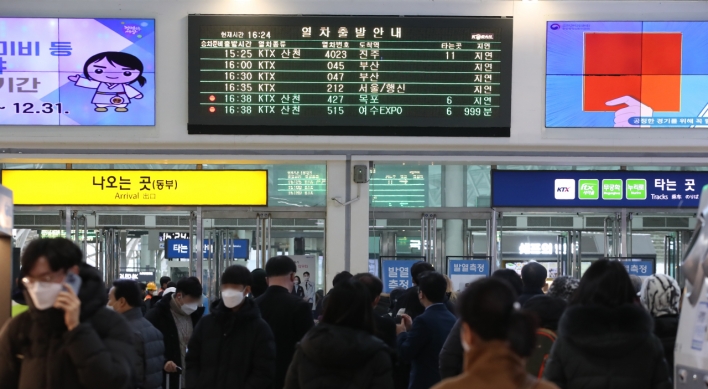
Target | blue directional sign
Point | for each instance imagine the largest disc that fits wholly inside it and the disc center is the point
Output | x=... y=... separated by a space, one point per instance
x=611 y=189
x=179 y=248
x=397 y=274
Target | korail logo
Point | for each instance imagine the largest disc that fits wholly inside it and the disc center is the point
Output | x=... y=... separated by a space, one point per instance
x=555 y=26
x=565 y=189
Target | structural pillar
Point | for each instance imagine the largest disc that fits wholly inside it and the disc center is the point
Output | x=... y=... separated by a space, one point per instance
x=454 y=197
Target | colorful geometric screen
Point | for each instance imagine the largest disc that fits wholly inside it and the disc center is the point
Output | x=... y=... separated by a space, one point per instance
x=627 y=74
x=77 y=72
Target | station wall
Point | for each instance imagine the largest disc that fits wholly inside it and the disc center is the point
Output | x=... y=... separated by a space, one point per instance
x=528 y=133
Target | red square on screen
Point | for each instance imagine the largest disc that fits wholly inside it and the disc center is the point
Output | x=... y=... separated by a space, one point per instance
x=601 y=89
x=613 y=53
x=661 y=53
x=647 y=65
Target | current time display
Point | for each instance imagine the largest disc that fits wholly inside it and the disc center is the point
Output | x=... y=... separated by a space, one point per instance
x=350 y=75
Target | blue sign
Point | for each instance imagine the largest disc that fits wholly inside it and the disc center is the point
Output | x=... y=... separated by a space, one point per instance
x=463 y=272
x=240 y=248
x=611 y=189
x=177 y=248
x=639 y=268
x=397 y=274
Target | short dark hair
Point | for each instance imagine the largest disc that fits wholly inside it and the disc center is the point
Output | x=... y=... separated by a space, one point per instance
x=419 y=268
x=488 y=307
x=339 y=278
x=190 y=287
x=171 y=284
x=237 y=275
x=534 y=275
x=347 y=305
x=372 y=283
x=605 y=283
x=62 y=254
x=142 y=286
x=280 y=266
x=307 y=272
x=512 y=277
x=433 y=285
x=260 y=284
x=164 y=280
x=129 y=290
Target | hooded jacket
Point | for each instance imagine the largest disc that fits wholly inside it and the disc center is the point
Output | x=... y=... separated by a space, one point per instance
x=340 y=357
x=37 y=351
x=608 y=348
x=161 y=317
x=493 y=366
x=231 y=350
x=150 y=349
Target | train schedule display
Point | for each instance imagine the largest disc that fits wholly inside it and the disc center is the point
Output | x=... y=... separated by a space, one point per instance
x=358 y=75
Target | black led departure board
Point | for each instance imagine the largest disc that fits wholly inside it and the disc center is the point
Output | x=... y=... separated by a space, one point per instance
x=350 y=75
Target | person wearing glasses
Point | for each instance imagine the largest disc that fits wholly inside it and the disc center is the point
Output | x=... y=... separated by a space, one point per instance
x=67 y=338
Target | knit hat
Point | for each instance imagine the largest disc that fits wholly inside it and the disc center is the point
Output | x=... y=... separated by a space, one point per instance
x=660 y=295
x=563 y=287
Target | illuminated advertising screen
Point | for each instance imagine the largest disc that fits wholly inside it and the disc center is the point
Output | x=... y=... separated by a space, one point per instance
x=626 y=74
x=350 y=75
x=77 y=72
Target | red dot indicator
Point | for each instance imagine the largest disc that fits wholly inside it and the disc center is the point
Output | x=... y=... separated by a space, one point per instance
x=212 y=98
x=212 y=109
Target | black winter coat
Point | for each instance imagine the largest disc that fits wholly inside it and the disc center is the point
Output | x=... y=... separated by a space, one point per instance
x=38 y=352
x=289 y=317
x=231 y=350
x=607 y=348
x=340 y=357
x=150 y=349
x=666 y=328
x=161 y=317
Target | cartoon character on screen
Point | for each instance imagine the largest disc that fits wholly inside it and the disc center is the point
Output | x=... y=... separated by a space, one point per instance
x=111 y=73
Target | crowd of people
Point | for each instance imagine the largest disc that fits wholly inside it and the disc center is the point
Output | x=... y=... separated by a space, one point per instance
x=504 y=331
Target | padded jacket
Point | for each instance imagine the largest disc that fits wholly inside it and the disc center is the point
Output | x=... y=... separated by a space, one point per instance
x=339 y=357
x=37 y=351
x=607 y=348
x=231 y=350
x=150 y=349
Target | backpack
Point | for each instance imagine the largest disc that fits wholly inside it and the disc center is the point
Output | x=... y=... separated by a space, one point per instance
x=536 y=363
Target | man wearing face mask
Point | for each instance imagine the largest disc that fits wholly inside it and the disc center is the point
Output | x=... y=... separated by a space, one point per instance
x=67 y=338
x=232 y=347
x=125 y=298
x=176 y=315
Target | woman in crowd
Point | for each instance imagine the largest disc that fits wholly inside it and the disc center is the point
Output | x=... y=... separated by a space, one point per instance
x=605 y=339
x=297 y=288
x=563 y=287
x=496 y=336
x=660 y=295
x=342 y=351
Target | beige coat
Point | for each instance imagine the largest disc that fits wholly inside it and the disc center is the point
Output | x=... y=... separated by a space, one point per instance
x=494 y=366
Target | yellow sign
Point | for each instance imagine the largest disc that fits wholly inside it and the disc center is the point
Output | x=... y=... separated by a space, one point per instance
x=137 y=187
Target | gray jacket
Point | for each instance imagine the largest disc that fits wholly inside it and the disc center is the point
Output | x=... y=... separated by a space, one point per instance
x=150 y=349
x=452 y=354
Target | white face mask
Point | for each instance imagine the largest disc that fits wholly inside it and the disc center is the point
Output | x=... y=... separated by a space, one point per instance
x=155 y=293
x=190 y=308
x=232 y=297
x=44 y=294
x=109 y=306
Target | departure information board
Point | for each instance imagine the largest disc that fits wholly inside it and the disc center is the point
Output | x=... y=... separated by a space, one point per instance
x=356 y=75
x=399 y=186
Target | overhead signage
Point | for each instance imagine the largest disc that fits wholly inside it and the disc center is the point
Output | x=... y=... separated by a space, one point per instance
x=350 y=75
x=138 y=187
x=610 y=189
x=142 y=276
x=626 y=74
x=399 y=186
x=179 y=248
x=6 y=211
x=77 y=72
x=463 y=272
